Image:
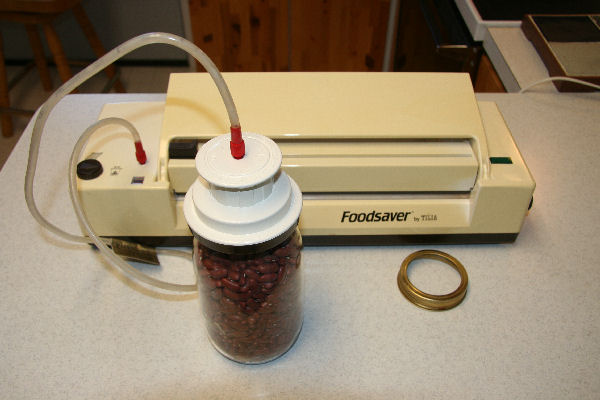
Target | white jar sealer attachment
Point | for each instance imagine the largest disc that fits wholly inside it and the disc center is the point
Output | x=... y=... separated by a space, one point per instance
x=241 y=205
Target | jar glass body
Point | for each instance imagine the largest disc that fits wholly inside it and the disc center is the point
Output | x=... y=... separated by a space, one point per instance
x=251 y=301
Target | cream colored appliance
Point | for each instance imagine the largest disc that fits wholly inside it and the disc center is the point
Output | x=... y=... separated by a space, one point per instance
x=379 y=157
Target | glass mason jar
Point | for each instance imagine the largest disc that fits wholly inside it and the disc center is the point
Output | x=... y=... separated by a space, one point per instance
x=244 y=216
x=252 y=301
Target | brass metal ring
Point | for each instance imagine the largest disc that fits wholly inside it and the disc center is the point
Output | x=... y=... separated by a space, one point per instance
x=432 y=301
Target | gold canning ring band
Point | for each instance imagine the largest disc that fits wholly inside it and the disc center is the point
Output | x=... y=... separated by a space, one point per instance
x=432 y=301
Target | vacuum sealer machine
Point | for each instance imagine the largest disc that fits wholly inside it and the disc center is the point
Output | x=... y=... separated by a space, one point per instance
x=380 y=157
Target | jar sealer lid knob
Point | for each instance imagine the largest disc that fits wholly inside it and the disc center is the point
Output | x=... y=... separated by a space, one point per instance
x=216 y=165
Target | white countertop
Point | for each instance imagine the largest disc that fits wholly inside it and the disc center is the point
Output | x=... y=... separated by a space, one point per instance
x=529 y=327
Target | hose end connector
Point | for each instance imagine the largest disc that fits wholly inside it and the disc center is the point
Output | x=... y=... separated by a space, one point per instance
x=237 y=146
x=140 y=154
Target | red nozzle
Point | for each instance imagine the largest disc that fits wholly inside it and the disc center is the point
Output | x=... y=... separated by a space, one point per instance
x=140 y=154
x=237 y=147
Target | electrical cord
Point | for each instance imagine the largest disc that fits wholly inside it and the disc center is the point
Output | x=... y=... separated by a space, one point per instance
x=559 y=78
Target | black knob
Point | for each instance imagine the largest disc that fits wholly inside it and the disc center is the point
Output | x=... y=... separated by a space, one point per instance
x=89 y=169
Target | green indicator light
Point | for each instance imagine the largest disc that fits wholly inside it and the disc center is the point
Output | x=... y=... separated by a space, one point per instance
x=500 y=160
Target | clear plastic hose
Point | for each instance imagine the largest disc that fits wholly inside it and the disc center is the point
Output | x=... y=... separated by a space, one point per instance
x=81 y=77
x=85 y=74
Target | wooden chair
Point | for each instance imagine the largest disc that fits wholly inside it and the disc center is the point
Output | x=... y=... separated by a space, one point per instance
x=41 y=13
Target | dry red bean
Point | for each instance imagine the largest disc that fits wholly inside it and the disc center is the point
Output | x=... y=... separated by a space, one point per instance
x=234 y=295
x=218 y=273
x=208 y=263
x=255 y=289
x=252 y=305
x=282 y=252
x=259 y=297
x=231 y=285
x=268 y=268
x=220 y=262
x=250 y=273
x=235 y=267
x=268 y=278
x=234 y=275
x=213 y=283
x=228 y=304
x=250 y=283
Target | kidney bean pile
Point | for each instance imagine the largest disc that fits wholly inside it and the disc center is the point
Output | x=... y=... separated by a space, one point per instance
x=252 y=303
